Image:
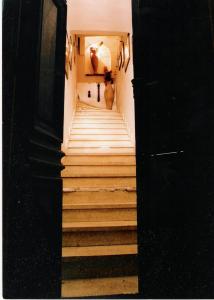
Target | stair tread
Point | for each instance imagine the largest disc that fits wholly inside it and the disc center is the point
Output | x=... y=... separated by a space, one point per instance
x=99 y=171
x=99 y=125
x=99 y=189
x=122 y=183
x=99 y=197
x=100 y=151
x=97 y=121
x=98 y=215
x=99 y=144
x=100 y=286
x=99 y=238
x=99 y=226
x=98 y=117
x=99 y=137
x=96 y=205
x=99 y=250
x=98 y=200
x=92 y=160
x=99 y=131
x=97 y=112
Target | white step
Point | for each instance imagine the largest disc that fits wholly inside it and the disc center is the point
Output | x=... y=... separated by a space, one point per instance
x=98 y=144
x=100 y=287
x=99 y=250
x=100 y=160
x=97 y=121
x=100 y=151
x=98 y=117
x=99 y=226
x=98 y=171
x=99 y=137
x=120 y=125
x=97 y=113
x=99 y=131
x=117 y=183
x=101 y=199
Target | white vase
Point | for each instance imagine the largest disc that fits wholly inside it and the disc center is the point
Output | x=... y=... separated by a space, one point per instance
x=109 y=95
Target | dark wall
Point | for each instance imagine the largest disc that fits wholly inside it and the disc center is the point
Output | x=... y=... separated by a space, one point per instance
x=174 y=104
x=33 y=35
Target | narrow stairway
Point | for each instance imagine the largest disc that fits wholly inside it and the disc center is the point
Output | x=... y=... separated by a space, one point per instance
x=99 y=255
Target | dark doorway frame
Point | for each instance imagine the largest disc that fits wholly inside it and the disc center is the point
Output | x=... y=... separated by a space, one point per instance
x=174 y=115
x=32 y=187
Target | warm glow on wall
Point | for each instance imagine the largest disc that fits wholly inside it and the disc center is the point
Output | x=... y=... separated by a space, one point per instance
x=94 y=46
x=126 y=51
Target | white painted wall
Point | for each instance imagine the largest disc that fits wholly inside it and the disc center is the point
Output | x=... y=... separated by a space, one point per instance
x=84 y=87
x=70 y=95
x=124 y=94
x=100 y=15
x=82 y=92
x=69 y=105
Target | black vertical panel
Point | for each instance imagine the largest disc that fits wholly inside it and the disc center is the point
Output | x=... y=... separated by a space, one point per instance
x=33 y=121
x=10 y=32
x=174 y=112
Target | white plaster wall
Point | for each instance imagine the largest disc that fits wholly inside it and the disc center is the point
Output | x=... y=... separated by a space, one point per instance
x=69 y=105
x=100 y=15
x=124 y=94
x=82 y=93
x=84 y=87
x=70 y=95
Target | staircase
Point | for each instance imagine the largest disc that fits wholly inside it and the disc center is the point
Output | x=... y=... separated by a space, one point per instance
x=99 y=255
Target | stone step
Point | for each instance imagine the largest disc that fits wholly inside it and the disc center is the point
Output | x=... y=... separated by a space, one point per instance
x=101 y=151
x=98 y=171
x=97 y=113
x=97 y=131
x=68 y=252
x=99 y=226
x=98 y=238
x=125 y=183
x=120 y=125
x=99 y=189
x=99 y=137
x=98 y=117
x=100 y=287
x=99 y=266
x=98 y=200
x=97 y=121
x=100 y=160
x=99 y=207
x=85 y=107
x=99 y=214
x=98 y=144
